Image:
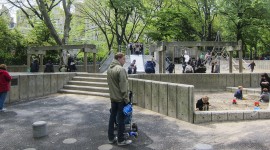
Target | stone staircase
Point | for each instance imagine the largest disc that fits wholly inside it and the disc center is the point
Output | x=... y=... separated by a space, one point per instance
x=87 y=84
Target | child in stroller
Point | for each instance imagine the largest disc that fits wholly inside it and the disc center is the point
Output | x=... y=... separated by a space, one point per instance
x=131 y=129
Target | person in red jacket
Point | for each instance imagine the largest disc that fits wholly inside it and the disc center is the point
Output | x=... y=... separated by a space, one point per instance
x=4 y=85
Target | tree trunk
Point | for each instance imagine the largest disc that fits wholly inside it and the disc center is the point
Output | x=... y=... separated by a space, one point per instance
x=68 y=18
x=48 y=22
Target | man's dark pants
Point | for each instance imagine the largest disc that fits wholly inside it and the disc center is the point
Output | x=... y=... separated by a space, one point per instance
x=117 y=111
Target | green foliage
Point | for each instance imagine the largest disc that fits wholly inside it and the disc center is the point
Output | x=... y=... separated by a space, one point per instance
x=247 y=21
x=170 y=25
x=12 y=45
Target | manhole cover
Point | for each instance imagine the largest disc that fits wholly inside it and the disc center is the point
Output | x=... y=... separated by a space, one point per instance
x=203 y=147
x=69 y=141
x=105 y=147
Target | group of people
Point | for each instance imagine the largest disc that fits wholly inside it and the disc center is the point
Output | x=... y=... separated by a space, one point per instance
x=265 y=86
x=149 y=67
x=135 y=48
x=71 y=66
x=190 y=65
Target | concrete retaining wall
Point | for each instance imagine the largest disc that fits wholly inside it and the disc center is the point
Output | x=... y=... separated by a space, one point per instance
x=260 y=64
x=164 y=93
x=218 y=116
x=207 y=82
x=23 y=68
x=174 y=100
x=29 y=86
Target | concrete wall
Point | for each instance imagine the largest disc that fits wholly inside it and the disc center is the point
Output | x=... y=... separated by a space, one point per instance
x=164 y=93
x=174 y=100
x=260 y=64
x=207 y=82
x=29 y=86
x=234 y=115
x=23 y=68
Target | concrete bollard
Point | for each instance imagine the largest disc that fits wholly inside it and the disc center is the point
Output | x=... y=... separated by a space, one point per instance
x=39 y=129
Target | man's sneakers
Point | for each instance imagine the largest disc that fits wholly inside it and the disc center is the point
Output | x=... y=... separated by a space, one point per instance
x=114 y=140
x=3 y=110
x=125 y=142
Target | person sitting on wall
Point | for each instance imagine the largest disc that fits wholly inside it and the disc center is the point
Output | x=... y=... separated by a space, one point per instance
x=71 y=64
x=189 y=68
x=49 y=67
x=203 y=104
x=201 y=69
x=170 y=68
x=34 y=67
x=132 y=69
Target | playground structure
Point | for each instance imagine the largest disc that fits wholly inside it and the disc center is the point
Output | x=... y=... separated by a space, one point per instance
x=41 y=51
x=177 y=48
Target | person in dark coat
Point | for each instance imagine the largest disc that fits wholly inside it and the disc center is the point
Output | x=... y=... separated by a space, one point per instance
x=71 y=64
x=265 y=80
x=49 y=67
x=203 y=104
x=252 y=65
x=150 y=66
x=34 y=67
x=170 y=68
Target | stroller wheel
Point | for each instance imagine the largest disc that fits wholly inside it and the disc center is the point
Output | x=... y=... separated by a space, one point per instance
x=134 y=127
x=126 y=135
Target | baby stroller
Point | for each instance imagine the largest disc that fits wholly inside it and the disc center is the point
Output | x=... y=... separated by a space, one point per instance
x=131 y=129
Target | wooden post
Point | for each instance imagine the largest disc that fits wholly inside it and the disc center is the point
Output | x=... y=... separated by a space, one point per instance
x=85 y=60
x=28 y=61
x=160 y=61
x=230 y=62
x=94 y=62
x=240 y=56
x=41 y=63
x=174 y=48
x=163 y=59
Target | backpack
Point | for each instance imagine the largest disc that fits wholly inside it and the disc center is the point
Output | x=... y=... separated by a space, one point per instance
x=149 y=67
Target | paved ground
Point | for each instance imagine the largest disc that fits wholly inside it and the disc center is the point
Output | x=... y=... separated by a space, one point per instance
x=78 y=122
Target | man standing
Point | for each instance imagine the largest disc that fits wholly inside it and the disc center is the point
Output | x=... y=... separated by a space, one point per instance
x=118 y=87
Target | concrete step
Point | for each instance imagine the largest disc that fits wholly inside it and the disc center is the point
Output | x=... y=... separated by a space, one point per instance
x=256 y=91
x=84 y=83
x=84 y=92
x=87 y=88
x=89 y=79
x=97 y=75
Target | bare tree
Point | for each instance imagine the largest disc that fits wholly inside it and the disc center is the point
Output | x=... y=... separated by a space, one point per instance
x=100 y=16
x=113 y=19
x=41 y=10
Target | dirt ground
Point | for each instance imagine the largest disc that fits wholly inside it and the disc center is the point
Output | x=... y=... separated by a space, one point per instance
x=223 y=101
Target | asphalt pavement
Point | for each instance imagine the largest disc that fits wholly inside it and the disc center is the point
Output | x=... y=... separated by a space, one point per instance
x=79 y=122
